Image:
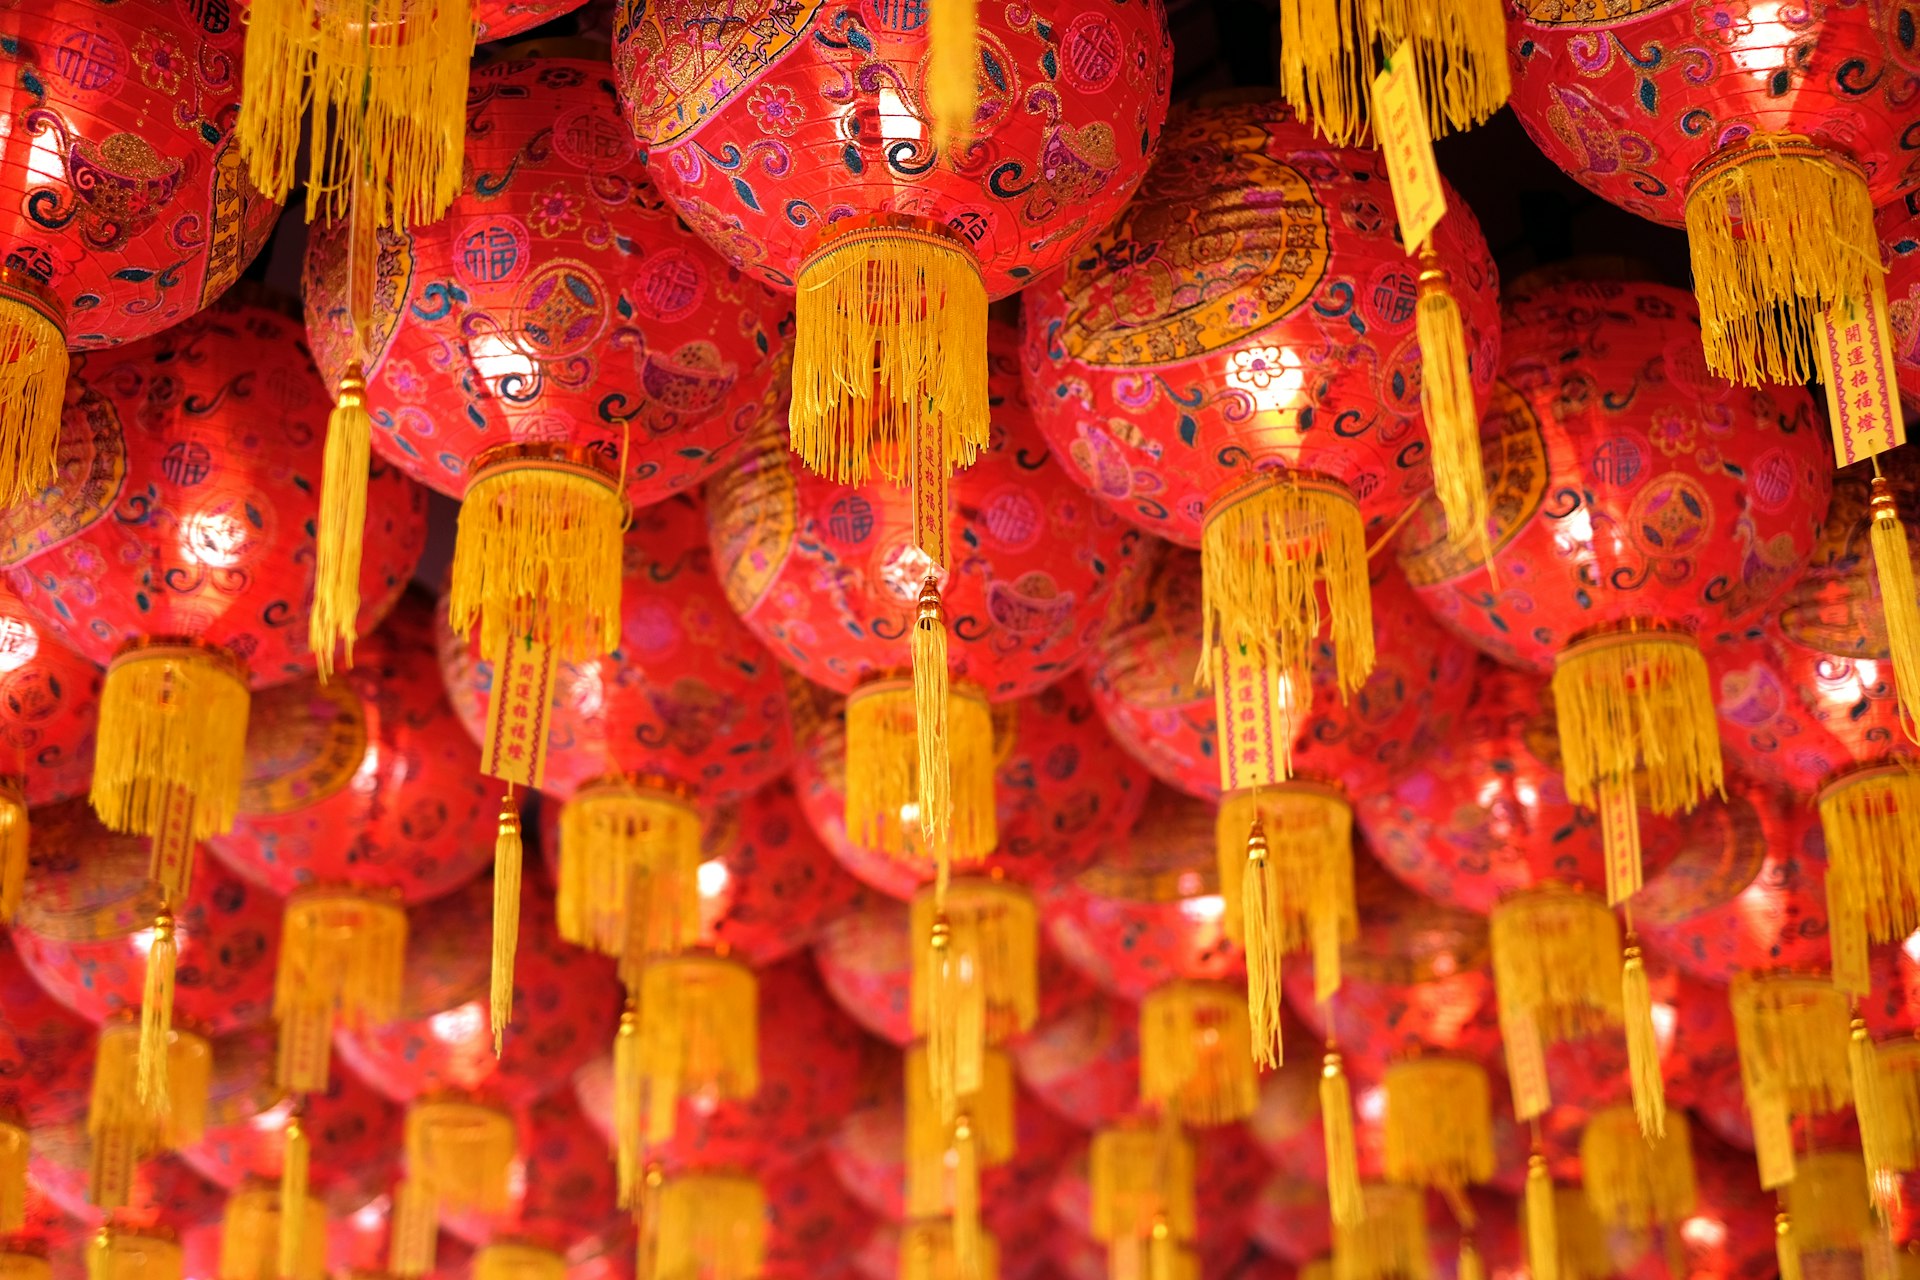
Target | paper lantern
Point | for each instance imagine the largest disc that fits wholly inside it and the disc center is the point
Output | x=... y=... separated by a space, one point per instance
x=1731 y=1230
x=1899 y=227
x=46 y=1050
x=1084 y=1061
x=1064 y=790
x=131 y=206
x=49 y=704
x=1720 y=122
x=565 y=1002
x=561 y=1194
x=88 y=918
x=810 y=1061
x=1667 y=547
x=165 y=1190
x=811 y=1221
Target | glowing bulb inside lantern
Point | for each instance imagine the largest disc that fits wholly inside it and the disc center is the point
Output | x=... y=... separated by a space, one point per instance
x=1272 y=377
x=896 y=122
x=1372 y=1105
x=274 y=1118
x=1207 y=908
x=1704 y=1233
x=371 y=1215
x=217 y=539
x=500 y=363
x=459 y=1025
x=713 y=878
x=1763 y=47
x=19 y=643
x=1665 y=1019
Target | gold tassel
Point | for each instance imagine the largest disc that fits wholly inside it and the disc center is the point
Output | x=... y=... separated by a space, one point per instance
x=1268 y=549
x=1871 y=818
x=699 y=1035
x=710 y=1225
x=966 y=1198
x=1387 y=1240
x=890 y=340
x=297 y=1241
x=507 y=857
x=1307 y=828
x=129 y=1253
x=1635 y=1181
x=1554 y=956
x=1439 y=1123
x=1584 y=1252
x=1260 y=937
x=516 y=1261
x=1643 y=1046
x=1779 y=229
x=976 y=981
x=15 y=1146
x=931 y=701
x=1635 y=707
x=124 y=1127
x=170 y=752
x=952 y=70
x=343 y=953
x=1899 y=603
x=1469 y=1266
x=1828 y=1201
x=1793 y=1035
x=33 y=387
x=1543 y=1233
x=1328 y=59
x=629 y=1104
x=883 y=771
x=630 y=870
x=1896 y=1080
x=387 y=80
x=14 y=844
x=18 y=1263
x=459 y=1153
x=1140 y=1177
x=1786 y=1252
x=1191 y=1064
x=156 y=1013
x=254 y=1231
x=930 y=1190
x=343 y=521
x=537 y=556
x=413 y=1237
x=1879 y=1138
x=1446 y=400
x=927 y=1253
x=1336 y=1124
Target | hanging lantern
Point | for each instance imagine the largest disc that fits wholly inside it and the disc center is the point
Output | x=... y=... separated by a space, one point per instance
x=1439 y=1124
x=1634 y=1181
x=1192 y=1034
x=561 y=1190
x=708 y=1226
x=126 y=1121
x=694 y=1034
x=1556 y=957
x=974 y=977
x=1028 y=587
x=1084 y=1061
x=1389 y=1242
x=1064 y=792
x=1632 y=696
x=1828 y=1205
x=46 y=1050
x=1264 y=363
x=1142 y=1193
x=250 y=1238
x=342 y=952
x=363 y=779
x=1805 y=161
x=49 y=705
x=181 y=614
x=1794 y=1036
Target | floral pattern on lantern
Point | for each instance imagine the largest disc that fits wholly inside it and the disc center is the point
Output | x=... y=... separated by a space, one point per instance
x=165 y=1191
x=1899 y=227
x=49 y=705
x=558 y=300
x=46 y=1049
x=1084 y=1062
x=689 y=697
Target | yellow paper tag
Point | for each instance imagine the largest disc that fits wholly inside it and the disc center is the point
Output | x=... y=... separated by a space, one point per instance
x=1855 y=344
x=1772 y=1138
x=930 y=493
x=1526 y=1068
x=171 y=855
x=1620 y=838
x=1254 y=731
x=1400 y=124
x=515 y=748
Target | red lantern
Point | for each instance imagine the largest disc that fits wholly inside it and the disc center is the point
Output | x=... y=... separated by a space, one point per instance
x=1723 y=120
x=1289 y=1219
x=1063 y=792
x=867 y=1154
x=811 y=1061
x=561 y=1192
x=812 y=1222
x=1150 y=910
x=1603 y=395
x=46 y=1051
x=1485 y=812
x=87 y=924
x=565 y=1002
x=1228 y=1174
x=165 y=1190
x=49 y=703
x=350 y=1126
x=131 y=208
x=365 y=780
x=1730 y=1232
x=1084 y=1061
x=1899 y=227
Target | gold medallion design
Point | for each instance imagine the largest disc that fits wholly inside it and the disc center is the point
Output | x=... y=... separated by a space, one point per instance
x=305 y=741
x=1517 y=475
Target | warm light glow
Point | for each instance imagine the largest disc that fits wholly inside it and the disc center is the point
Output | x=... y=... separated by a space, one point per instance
x=1703 y=1232
x=1912 y=947
x=1208 y=907
x=19 y=644
x=460 y=1025
x=713 y=878
x=216 y=539
x=1665 y=1019
x=371 y=1215
x=495 y=359
x=1763 y=49
x=1372 y=1104
x=897 y=124
x=274 y=1118
x=1271 y=376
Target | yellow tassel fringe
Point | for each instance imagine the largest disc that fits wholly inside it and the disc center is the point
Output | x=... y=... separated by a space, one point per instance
x=125 y=1128
x=1331 y=49
x=1469 y=1266
x=15 y=843
x=1896 y=1083
x=629 y=871
x=1636 y=710
x=1140 y=1177
x=890 y=340
x=1779 y=229
x=126 y=1253
x=1191 y=1062
x=387 y=80
x=1633 y=1181
x=1875 y=1112
x=699 y=1035
x=1344 y=1197
x=343 y=522
x=33 y=387
x=156 y=1015
x=343 y=954
x=1554 y=956
x=171 y=716
x=927 y=1253
x=1439 y=1123
x=1267 y=551
x=1871 y=818
x=252 y=1233
x=710 y=1225
x=930 y=1138
x=1643 y=1044
x=459 y=1154
x=1446 y=401
x=1387 y=1240
x=1829 y=1204
x=508 y=854
x=538 y=555
x=413 y=1238
x=15 y=1147
x=299 y=1240
x=515 y=1261
x=1793 y=1035
x=1543 y=1233
x=883 y=771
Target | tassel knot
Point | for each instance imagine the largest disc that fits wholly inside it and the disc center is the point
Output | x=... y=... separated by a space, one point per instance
x=342 y=524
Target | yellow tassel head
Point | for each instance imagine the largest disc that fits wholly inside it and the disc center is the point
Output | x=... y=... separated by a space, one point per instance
x=708 y=1226
x=515 y=1261
x=1829 y=1204
x=1439 y=1123
x=991 y=954
x=1871 y=819
x=883 y=771
x=932 y=1176
x=1141 y=1176
x=342 y=956
x=1447 y=403
x=342 y=523
x=1633 y=1181
x=1193 y=1052
x=460 y=1153
x=1328 y=60
x=1308 y=830
x=1389 y=1239
x=250 y=1237
x=630 y=869
x=124 y=1126
x=1555 y=957
x=698 y=1035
